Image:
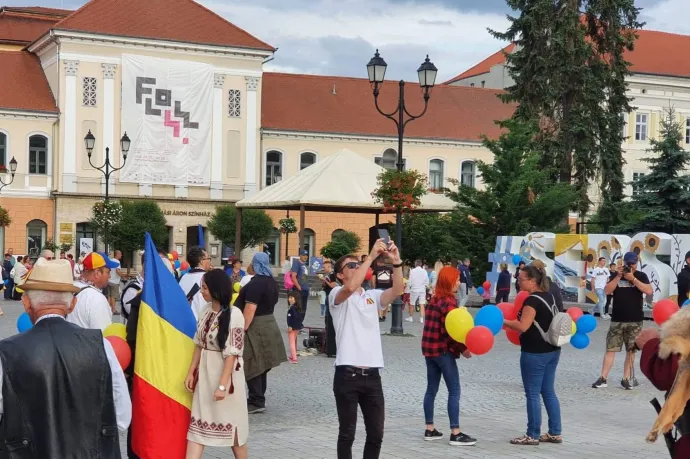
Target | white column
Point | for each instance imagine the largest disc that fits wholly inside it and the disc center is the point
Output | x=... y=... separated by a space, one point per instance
x=217 y=140
x=251 y=154
x=69 y=150
x=109 y=123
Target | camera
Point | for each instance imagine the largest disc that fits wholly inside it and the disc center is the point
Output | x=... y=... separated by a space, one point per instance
x=627 y=269
x=315 y=339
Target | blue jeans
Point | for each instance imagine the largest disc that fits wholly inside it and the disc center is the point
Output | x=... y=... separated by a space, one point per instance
x=538 y=378
x=447 y=366
x=601 y=301
x=323 y=309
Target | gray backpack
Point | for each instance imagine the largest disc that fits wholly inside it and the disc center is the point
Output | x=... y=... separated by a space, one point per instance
x=561 y=328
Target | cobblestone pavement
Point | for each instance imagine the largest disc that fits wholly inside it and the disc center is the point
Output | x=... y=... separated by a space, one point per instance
x=300 y=421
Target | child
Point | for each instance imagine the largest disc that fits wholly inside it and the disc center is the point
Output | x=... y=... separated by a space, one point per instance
x=294 y=323
x=486 y=296
x=322 y=300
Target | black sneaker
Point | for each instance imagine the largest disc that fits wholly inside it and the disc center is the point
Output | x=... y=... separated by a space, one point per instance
x=431 y=435
x=251 y=409
x=600 y=384
x=626 y=384
x=462 y=439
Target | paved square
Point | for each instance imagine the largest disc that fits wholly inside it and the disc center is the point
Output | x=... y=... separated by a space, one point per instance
x=300 y=421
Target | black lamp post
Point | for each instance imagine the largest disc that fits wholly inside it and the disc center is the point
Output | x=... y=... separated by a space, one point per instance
x=376 y=68
x=13 y=169
x=107 y=169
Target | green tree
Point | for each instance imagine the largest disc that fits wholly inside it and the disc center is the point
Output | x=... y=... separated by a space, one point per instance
x=137 y=218
x=342 y=243
x=257 y=226
x=428 y=237
x=569 y=72
x=349 y=238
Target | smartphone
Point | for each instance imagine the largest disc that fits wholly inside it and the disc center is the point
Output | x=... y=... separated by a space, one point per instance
x=193 y=291
x=383 y=234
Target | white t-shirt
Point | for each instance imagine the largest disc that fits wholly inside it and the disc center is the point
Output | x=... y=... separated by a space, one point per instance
x=245 y=280
x=600 y=276
x=114 y=276
x=418 y=280
x=186 y=283
x=357 y=333
x=92 y=309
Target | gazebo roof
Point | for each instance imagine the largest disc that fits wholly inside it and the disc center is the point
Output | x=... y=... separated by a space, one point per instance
x=342 y=182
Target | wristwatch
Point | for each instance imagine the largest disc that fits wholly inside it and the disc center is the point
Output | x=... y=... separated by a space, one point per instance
x=221 y=388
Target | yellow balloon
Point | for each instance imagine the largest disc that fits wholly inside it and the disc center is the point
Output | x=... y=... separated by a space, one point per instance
x=18 y=290
x=573 y=328
x=115 y=330
x=458 y=323
x=234 y=297
x=236 y=287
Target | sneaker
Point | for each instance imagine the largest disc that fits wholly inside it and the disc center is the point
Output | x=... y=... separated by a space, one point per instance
x=409 y=319
x=431 y=435
x=462 y=439
x=251 y=409
x=600 y=384
x=382 y=319
x=633 y=380
x=421 y=320
x=606 y=317
x=626 y=384
x=525 y=440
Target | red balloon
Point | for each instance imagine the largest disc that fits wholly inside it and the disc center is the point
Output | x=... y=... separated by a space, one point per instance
x=486 y=285
x=175 y=255
x=479 y=340
x=122 y=350
x=184 y=266
x=513 y=336
x=507 y=310
x=663 y=310
x=519 y=300
x=369 y=274
x=575 y=313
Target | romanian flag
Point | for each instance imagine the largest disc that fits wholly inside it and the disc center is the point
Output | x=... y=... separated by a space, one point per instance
x=161 y=405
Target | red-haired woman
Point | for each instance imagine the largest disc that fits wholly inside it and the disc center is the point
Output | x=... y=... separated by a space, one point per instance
x=440 y=352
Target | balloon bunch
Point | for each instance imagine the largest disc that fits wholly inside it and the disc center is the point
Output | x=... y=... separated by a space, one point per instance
x=116 y=334
x=582 y=325
x=664 y=309
x=184 y=268
x=476 y=333
x=510 y=312
x=235 y=292
x=486 y=286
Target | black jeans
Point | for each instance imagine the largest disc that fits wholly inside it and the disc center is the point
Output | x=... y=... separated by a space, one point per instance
x=257 y=390
x=502 y=296
x=609 y=299
x=351 y=389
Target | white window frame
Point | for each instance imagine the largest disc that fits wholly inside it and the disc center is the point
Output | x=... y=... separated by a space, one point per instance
x=626 y=123
x=443 y=173
x=89 y=99
x=265 y=166
x=234 y=97
x=49 y=153
x=474 y=168
x=395 y=165
x=645 y=124
x=635 y=177
x=299 y=158
x=7 y=147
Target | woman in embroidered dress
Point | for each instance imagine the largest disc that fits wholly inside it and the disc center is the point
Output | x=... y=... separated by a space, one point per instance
x=216 y=374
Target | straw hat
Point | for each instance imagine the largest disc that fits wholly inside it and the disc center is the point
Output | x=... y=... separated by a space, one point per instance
x=54 y=276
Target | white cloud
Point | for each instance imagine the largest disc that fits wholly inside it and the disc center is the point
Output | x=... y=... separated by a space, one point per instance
x=668 y=16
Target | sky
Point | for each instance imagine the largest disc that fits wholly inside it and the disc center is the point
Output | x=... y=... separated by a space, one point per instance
x=338 y=37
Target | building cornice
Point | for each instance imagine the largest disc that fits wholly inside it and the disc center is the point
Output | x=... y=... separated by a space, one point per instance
x=31 y=192
x=27 y=114
x=344 y=137
x=96 y=196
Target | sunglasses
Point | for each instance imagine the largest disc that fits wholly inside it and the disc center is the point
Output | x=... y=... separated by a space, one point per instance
x=352 y=265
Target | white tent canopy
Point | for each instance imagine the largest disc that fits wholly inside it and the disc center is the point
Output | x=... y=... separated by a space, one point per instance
x=343 y=180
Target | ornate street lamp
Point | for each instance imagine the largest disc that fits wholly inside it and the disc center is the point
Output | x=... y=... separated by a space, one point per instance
x=13 y=170
x=376 y=69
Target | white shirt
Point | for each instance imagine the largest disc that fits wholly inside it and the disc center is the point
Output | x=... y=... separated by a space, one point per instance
x=186 y=283
x=286 y=266
x=418 y=280
x=114 y=276
x=77 y=270
x=600 y=276
x=92 y=309
x=245 y=280
x=123 y=404
x=357 y=333
x=130 y=293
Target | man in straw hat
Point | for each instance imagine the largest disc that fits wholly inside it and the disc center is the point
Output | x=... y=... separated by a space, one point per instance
x=64 y=395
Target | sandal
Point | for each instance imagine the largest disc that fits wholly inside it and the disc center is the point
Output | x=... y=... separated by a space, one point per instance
x=525 y=440
x=548 y=438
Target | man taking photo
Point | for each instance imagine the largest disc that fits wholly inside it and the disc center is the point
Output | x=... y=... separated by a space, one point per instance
x=628 y=288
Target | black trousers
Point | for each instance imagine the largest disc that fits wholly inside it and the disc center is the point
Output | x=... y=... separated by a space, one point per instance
x=502 y=296
x=352 y=390
x=609 y=299
x=331 y=347
x=257 y=390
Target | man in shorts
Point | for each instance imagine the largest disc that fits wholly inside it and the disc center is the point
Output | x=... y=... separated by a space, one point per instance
x=628 y=287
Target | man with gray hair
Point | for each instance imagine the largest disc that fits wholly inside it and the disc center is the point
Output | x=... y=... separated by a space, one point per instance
x=47 y=254
x=58 y=374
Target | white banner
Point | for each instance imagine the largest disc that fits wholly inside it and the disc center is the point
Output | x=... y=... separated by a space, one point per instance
x=167 y=108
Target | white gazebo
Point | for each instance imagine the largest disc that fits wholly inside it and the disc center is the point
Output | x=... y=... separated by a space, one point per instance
x=343 y=182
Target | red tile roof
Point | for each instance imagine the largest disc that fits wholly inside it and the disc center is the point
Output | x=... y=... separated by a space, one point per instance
x=38 y=10
x=23 y=85
x=655 y=53
x=21 y=26
x=307 y=103
x=175 y=20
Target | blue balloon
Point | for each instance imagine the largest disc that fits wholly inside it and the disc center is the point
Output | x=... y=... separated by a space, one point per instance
x=579 y=340
x=177 y=264
x=687 y=302
x=6 y=282
x=586 y=324
x=516 y=259
x=491 y=317
x=480 y=290
x=24 y=323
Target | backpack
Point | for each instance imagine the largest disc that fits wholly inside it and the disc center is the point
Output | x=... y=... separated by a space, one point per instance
x=561 y=328
x=287 y=281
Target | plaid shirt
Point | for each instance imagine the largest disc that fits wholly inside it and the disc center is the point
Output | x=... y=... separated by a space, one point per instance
x=435 y=339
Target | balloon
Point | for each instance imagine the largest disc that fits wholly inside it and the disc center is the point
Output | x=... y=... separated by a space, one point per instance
x=177 y=264
x=579 y=340
x=574 y=329
x=513 y=336
x=175 y=255
x=516 y=259
x=234 y=297
x=236 y=287
x=663 y=310
x=490 y=317
x=369 y=274
x=586 y=324
x=170 y=257
x=122 y=350
x=184 y=266
x=507 y=310
x=479 y=340
x=519 y=300
x=687 y=302
x=486 y=285
x=458 y=323
x=24 y=323
x=574 y=313
x=480 y=290
x=18 y=290
x=115 y=329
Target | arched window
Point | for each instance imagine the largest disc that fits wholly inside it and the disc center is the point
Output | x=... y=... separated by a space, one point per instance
x=436 y=174
x=467 y=173
x=38 y=154
x=36 y=231
x=306 y=159
x=274 y=167
x=309 y=241
x=3 y=149
x=388 y=160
